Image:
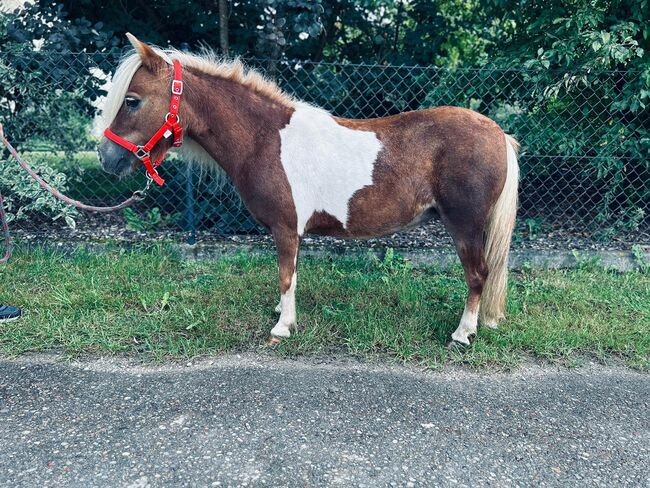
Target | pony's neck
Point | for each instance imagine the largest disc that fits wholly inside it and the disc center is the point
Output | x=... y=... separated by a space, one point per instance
x=230 y=120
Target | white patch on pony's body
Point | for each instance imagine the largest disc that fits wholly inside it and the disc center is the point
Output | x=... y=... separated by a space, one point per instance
x=467 y=326
x=325 y=163
x=287 y=311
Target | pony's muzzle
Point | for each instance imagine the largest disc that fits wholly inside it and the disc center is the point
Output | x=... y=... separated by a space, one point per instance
x=115 y=159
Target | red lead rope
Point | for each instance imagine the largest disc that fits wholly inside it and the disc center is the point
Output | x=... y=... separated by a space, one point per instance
x=171 y=126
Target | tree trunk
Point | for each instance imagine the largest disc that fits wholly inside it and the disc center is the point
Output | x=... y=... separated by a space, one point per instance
x=328 y=33
x=398 y=23
x=223 y=26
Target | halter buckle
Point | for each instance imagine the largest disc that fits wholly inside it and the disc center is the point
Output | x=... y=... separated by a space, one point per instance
x=141 y=153
x=177 y=87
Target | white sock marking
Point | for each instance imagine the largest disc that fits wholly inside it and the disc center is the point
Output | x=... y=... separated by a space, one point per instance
x=467 y=326
x=288 y=311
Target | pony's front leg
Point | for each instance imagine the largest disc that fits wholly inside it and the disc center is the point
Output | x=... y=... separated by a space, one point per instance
x=287 y=244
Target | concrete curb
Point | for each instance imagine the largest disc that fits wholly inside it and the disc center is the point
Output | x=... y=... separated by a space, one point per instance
x=442 y=258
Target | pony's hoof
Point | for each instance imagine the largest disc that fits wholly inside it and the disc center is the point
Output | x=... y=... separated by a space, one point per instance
x=273 y=341
x=453 y=345
x=457 y=344
x=281 y=330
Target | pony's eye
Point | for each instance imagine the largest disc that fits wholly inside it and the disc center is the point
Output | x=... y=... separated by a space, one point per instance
x=132 y=102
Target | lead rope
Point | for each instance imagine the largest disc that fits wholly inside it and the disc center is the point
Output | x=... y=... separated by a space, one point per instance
x=5 y=231
x=137 y=196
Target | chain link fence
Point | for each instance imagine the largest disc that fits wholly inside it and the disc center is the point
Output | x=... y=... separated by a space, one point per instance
x=584 y=160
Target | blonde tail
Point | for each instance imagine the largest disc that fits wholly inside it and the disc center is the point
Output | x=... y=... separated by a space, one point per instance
x=497 y=242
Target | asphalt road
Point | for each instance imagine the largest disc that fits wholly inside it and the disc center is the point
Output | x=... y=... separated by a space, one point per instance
x=256 y=421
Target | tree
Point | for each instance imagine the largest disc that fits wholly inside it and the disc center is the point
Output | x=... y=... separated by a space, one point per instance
x=46 y=92
x=47 y=81
x=567 y=45
x=531 y=65
x=248 y=27
x=223 y=27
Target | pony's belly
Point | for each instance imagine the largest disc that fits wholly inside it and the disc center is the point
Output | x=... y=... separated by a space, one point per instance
x=322 y=223
x=325 y=224
x=391 y=227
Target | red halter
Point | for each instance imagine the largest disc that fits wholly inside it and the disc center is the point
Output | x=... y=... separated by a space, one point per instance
x=169 y=127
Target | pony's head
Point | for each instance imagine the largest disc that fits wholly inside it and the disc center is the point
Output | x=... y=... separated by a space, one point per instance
x=135 y=106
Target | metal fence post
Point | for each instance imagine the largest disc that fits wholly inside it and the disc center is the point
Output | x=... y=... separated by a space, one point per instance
x=190 y=219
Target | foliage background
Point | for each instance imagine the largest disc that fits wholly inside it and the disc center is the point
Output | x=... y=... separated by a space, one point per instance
x=529 y=65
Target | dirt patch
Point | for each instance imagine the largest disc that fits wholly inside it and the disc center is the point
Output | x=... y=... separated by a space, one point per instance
x=432 y=235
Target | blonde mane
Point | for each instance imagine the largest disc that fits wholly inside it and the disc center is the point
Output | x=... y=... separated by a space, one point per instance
x=206 y=62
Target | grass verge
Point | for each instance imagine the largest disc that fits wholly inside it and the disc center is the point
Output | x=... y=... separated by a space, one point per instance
x=149 y=301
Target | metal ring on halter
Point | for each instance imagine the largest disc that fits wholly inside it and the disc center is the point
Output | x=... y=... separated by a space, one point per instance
x=178 y=117
x=141 y=194
x=141 y=153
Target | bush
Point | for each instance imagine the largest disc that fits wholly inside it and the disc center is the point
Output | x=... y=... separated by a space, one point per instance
x=25 y=199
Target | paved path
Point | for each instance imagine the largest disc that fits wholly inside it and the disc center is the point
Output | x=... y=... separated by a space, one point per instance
x=255 y=421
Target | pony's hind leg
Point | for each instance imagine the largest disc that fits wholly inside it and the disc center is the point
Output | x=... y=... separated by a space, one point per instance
x=287 y=243
x=472 y=257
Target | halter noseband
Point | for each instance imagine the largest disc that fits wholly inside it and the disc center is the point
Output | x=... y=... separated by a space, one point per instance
x=169 y=127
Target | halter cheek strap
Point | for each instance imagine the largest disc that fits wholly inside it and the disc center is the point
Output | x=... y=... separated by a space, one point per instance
x=170 y=127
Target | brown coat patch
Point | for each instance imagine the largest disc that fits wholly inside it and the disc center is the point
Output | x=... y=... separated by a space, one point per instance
x=428 y=156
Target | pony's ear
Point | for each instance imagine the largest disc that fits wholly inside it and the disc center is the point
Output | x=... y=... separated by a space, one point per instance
x=150 y=59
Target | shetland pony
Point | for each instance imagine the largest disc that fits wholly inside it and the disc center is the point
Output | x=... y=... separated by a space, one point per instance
x=300 y=169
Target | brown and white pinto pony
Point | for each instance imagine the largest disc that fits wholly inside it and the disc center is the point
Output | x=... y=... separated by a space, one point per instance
x=300 y=169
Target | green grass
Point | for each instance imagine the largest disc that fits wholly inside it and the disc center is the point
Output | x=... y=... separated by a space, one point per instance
x=151 y=303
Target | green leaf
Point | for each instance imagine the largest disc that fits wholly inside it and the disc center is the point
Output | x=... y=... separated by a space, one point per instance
x=164 y=305
x=70 y=222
